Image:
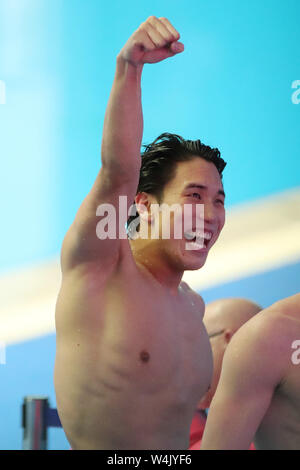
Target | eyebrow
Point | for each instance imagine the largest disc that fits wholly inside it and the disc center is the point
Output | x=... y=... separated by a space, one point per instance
x=201 y=186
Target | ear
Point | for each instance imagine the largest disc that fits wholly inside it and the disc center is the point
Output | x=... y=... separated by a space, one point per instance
x=228 y=335
x=143 y=206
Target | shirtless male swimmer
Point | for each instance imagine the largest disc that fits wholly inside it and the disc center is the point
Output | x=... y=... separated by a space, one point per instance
x=132 y=354
x=258 y=395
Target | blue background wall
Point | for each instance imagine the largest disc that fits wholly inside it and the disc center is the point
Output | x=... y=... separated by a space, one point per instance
x=231 y=88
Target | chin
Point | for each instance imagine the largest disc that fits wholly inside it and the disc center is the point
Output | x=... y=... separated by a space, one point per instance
x=194 y=264
x=192 y=267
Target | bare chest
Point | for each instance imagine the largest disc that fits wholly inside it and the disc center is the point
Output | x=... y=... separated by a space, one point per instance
x=139 y=335
x=157 y=335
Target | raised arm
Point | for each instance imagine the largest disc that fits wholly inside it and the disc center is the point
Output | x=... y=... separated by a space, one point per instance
x=155 y=40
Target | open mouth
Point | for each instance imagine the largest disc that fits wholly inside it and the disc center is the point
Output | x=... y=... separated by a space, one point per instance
x=199 y=239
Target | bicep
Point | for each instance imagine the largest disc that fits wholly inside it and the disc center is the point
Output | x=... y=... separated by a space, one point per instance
x=100 y=222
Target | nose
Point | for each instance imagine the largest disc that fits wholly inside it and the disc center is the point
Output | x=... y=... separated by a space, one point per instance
x=210 y=213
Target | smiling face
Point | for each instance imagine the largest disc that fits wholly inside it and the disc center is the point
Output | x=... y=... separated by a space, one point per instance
x=196 y=182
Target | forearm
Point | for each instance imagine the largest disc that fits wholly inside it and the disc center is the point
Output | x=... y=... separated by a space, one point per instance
x=123 y=122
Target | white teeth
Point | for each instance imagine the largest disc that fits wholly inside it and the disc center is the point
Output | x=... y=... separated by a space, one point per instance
x=194 y=246
x=191 y=235
x=207 y=235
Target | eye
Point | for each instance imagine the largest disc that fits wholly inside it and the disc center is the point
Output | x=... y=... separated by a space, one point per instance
x=197 y=195
x=220 y=201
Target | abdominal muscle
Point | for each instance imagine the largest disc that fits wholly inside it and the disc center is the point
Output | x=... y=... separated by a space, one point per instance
x=130 y=367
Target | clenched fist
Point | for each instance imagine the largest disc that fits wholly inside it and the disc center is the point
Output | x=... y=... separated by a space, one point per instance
x=155 y=40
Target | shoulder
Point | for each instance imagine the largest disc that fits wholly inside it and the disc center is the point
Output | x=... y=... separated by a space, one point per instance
x=280 y=322
x=260 y=333
x=195 y=296
x=287 y=309
x=262 y=346
x=185 y=286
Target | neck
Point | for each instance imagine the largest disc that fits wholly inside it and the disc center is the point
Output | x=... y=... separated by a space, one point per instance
x=148 y=254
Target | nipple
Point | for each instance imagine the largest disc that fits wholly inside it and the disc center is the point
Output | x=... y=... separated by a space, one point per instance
x=144 y=356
